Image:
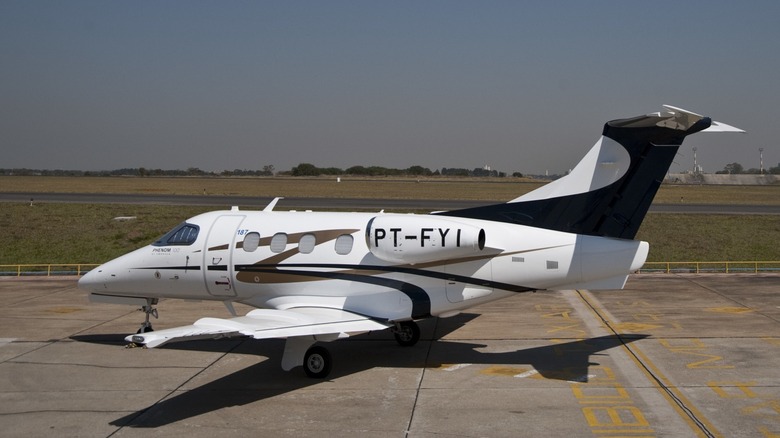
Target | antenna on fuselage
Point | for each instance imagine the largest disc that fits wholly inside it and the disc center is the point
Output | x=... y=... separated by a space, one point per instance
x=272 y=204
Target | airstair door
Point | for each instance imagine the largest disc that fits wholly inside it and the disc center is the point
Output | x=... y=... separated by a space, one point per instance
x=217 y=257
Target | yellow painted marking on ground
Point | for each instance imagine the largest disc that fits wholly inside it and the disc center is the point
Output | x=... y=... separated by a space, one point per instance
x=574 y=328
x=697 y=348
x=732 y=310
x=773 y=341
x=733 y=389
x=769 y=434
x=601 y=394
x=635 y=327
x=64 y=310
x=601 y=374
x=617 y=416
x=710 y=358
x=769 y=409
x=638 y=303
x=643 y=361
x=503 y=370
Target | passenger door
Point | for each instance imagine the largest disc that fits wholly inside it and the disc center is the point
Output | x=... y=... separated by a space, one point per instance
x=217 y=257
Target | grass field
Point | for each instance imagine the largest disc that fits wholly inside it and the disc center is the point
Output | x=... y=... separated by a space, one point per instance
x=481 y=189
x=87 y=233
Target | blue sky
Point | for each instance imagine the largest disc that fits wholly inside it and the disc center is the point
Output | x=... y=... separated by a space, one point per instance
x=520 y=86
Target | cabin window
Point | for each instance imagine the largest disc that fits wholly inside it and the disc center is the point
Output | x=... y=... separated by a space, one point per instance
x=184 y=234
x=279 y=242
x=307 y=243
x=344 y=244
x=251 y=241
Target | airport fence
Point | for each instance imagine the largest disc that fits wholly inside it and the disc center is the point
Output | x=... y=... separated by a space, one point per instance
x=711 y=267
x=56 y=269
x=46 y=270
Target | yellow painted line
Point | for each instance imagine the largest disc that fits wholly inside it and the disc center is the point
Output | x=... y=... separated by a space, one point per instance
x=656 y=374
x=773 y=341
x=734 y=310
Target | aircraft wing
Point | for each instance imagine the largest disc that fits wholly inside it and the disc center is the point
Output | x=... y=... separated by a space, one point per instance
x=324 y=322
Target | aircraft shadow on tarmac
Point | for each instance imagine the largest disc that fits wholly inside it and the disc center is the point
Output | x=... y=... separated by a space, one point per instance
x=567 y=361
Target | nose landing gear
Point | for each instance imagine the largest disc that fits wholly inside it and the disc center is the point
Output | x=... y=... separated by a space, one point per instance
x=148 y=309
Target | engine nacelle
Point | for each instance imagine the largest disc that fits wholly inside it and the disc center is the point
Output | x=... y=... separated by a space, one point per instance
x=419 y=239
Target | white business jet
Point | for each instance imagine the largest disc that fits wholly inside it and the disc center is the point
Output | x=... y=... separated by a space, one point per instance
x=322 y=276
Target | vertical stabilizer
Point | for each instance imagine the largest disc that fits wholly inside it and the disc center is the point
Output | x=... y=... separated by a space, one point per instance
x=609 y=192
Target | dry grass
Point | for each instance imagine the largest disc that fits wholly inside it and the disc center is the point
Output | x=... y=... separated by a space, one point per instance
x=481 y=189
x=700 y=237
x=87 y=233
x=432 y=188
x=82 y=233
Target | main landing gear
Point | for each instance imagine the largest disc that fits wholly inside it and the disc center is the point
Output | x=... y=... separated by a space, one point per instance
x=406 y=333
x=148 y=309
x=317 y=362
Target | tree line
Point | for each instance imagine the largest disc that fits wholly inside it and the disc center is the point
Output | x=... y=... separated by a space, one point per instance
x=303 y=169
x=308 y=169
x=738 y=169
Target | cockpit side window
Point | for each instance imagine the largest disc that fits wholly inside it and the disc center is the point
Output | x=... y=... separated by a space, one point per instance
x=182 y=235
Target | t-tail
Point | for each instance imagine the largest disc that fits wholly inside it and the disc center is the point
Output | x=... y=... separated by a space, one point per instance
x=609 y=192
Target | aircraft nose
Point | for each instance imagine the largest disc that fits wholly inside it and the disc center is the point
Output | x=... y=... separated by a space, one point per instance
x=93 y=280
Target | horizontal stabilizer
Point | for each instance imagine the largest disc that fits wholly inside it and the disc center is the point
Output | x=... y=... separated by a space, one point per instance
x=714 y=127
x=265 y=324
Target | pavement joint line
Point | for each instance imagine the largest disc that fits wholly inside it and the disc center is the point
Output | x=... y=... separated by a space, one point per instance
x=174 y=390
x=725 y=297
x=43 y=344
x=89 y=365
x=687 y=410
x=420 y=381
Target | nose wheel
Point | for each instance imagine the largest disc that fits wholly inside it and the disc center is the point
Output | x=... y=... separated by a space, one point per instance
x=149 y=310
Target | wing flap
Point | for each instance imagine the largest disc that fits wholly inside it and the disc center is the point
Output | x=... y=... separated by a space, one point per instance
x=265 y=324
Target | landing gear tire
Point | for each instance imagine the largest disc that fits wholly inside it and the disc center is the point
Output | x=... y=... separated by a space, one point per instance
x=407 y=333
x=317 y=362
x=144 y=329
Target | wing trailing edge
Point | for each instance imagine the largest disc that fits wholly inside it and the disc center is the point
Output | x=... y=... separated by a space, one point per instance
x=320 y=322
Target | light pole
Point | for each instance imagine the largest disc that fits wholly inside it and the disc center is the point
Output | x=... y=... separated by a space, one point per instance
x=695 y=167
x=761 y=160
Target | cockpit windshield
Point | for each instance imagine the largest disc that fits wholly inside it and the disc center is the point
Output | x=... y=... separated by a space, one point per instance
x=184 y=234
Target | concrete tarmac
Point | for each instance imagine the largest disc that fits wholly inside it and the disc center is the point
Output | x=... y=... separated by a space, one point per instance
x=670 y=355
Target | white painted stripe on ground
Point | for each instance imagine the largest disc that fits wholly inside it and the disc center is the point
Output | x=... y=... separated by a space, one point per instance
x=455 y=367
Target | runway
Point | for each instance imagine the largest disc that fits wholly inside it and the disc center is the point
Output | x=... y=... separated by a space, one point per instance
x=321 y=204
x=671 y=355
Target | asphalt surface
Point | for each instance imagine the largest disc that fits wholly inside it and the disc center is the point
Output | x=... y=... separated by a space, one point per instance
x=670 y=355
x=339 y=203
